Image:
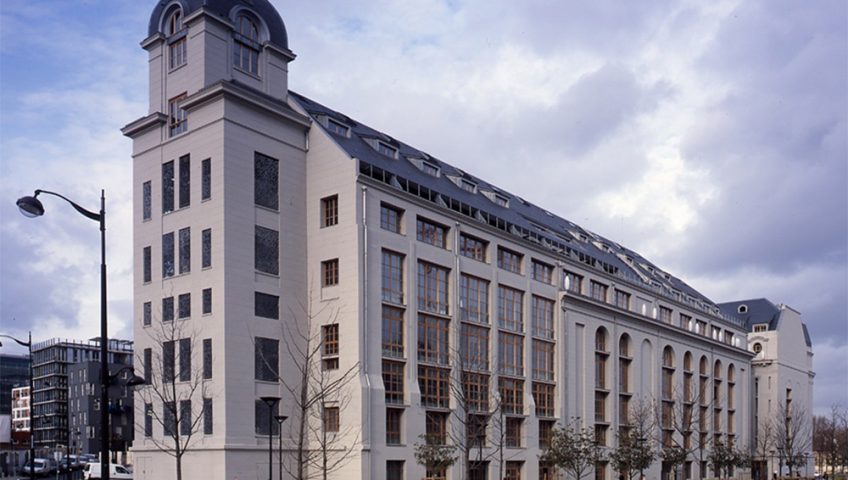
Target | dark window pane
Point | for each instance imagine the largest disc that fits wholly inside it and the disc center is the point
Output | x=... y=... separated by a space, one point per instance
x=267 y=250
x=185 y=417
x=184 y=303
x=168 y=255
x=264 y=420
x=206 y=247
x=265 y=181
x=206 y=179
x=168 y=361
x=185 y=250
x=266 y=359
x=185 y=181
x=146 y=202
x=169 y=418
x=207 y=416
x=168 y=309
x=168 y=187
x=147 y=313
x=207 y=300
x=185 y=359
x=266 y=306
x=148 y=276
x=207 y=358
x=148 y=420
x=148 y=365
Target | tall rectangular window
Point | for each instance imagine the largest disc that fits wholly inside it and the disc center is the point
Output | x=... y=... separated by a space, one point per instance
x=474 y=347
x=185 y=250
x=185 y=417
x=331 y=419
x=330 y=211
x=266 y=306
x=267 y=250
x=177 y=116
x=266 y=357
x=148 y=365
x=168 y=309
x=510 y=308
x=207 y=416
x=392 y=277
x=393 y=381
x=433 y=339
x=185 y=359
x=206 y=248
x=207 y=358
x=473 y=299
x=394 y=418
x=146 y=200
x=147 y=314
x=168 y=187
x=184 y=305
x=390 y=218
x=542 y=272
x=543 y=317
x=572 y=282
x=432 y=288
x=511 y=354
x=330 y=339
x=264 y=414
x=434 y=386
x=330 y=273
x=472 y=247
x=436 y=432
x=543 y=397
x=168 y=361
x=509 y=260
x=148 y=419
x=185 y=181
x=168 y=267
x=392 y=332
x=475 y=389
x=207 y=301
x=512 y=395
x=266 y=181
x=622 y=299
x=543 y=360
x=169 y=418
x=146 y=268
x=598 y=291
x=665 y=314
x=430 y=232
x=206 y=179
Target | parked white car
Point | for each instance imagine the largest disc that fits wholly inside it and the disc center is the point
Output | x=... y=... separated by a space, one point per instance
x=43 y=466
x=118 y=472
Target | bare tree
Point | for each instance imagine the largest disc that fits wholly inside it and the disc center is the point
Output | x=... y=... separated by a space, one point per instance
x=174 y=387
x=319 y=392
x=678 y=420
x=574 y=449
x=793 y=434
x=828 y=433
x=763 y=444
x=635 y=452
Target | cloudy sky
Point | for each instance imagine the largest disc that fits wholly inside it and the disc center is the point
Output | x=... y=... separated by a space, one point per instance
x=709 y=136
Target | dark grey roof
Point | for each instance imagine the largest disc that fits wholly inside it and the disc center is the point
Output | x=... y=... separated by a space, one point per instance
x=807 y=339
x=759 y=310
x=222 y=8
x=518 y=217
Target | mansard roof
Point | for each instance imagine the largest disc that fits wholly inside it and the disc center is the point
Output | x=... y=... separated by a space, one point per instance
x=759 y=311
x=222 y=8
x=517 y=216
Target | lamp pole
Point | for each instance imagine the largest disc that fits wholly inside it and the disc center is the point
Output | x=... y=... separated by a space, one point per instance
x=270 y=401
x=28 y=344
x=280 y=419
x=32 y=207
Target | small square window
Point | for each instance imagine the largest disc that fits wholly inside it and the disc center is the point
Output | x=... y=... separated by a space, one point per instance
x=330 y=273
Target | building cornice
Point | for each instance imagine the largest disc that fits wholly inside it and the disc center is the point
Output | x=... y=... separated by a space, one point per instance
x=153 y=120
x=229 y=89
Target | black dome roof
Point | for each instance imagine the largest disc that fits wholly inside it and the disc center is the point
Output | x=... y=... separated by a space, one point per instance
x=222 y=8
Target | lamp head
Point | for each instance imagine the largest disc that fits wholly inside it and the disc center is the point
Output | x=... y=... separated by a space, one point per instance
x=280 y=418
x=135 y=381
x=30 y=207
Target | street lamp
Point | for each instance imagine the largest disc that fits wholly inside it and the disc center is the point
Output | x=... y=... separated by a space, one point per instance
x=280 y=419
x=28 y=344
x=270 y=401
x=31 y=207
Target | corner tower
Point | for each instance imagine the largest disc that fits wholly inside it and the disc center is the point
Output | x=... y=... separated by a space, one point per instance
x=219 y=242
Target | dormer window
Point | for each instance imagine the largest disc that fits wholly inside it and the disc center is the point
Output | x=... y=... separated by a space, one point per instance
x=497 y=198
x=177 y=54
x=467 y=185
x=429 y=169
x=246 y=48
x=387 y=150
x=337 y=127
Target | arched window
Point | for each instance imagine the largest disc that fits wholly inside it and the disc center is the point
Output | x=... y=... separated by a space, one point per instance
x=246 y=48
x=668 y=373
x=687 y=377
x=717 y=370
x=731 y=373
x=624 y=390
x=668 y=357
x=624 y=345
x=687 y=362
x=602 y=386
x=601 y=340
x=177 y=50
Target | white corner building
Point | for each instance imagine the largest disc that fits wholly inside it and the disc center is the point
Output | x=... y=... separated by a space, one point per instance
x=253 y=203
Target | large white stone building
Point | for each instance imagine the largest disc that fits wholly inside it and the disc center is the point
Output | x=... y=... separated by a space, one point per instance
x=254 y=205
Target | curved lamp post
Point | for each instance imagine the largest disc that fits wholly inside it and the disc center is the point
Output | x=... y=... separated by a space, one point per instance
x=28 y=344
x=280 y=419
x=31 y=207
x=270 y=401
